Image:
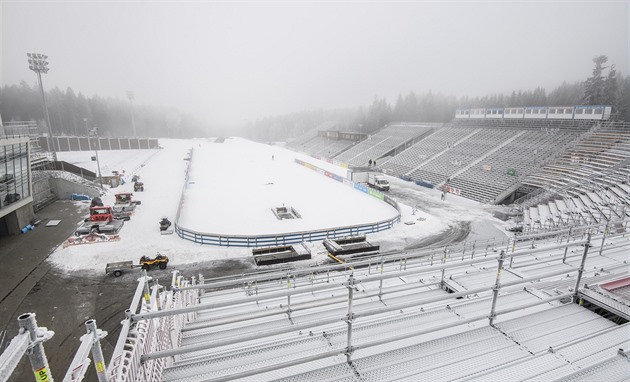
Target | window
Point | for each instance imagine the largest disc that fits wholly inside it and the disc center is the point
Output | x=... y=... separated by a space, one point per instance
x=579 y=111
x=589 y=111
x=568 y=111
x=528 y=111
x=552 y=111
x=598 y=110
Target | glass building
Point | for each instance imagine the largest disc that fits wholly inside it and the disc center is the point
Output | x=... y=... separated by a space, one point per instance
x=15 y=184
x=14 y=173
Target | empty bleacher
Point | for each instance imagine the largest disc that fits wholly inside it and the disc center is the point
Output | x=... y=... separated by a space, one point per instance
x=457 y=157
x=383 y=142
x=379 y=321
x=424 y=150
x=325 y=147
x=598 y=150
x=488 y=179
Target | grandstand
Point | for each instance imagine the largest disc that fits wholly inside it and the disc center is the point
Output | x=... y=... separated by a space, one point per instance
x=400 y=318
x=587 y=183
x=385 y=142
x=326 y=140
x=579 y=169
x=502 y=170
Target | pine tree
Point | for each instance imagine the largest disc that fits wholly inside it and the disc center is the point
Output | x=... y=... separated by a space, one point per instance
x=594 y=85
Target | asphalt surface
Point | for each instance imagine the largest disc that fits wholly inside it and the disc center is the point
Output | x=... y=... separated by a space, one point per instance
x=63 y=301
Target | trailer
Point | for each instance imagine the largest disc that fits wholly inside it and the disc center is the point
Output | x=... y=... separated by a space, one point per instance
x=146 y=263
x=118 y=268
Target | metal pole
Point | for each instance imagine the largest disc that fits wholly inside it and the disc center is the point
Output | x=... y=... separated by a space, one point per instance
x=52 y=139
x=36 y=354
x=601 y=248
x=97 y=353
x=98 y=163
x=581 y=269
x=147 y=293
x=156 y=286
x=87 y=131
x=349 y=318
x=443 y=269
x=496 y=287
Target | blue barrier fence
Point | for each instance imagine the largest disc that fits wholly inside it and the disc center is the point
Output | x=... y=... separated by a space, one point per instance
x=292 y=237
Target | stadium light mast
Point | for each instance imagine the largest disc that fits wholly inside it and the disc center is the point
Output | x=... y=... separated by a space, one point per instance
x=37 y=63
x=131 y=97
x=94 y=132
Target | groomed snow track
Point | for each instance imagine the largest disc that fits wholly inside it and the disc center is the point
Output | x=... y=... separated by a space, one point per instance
x=408 y=316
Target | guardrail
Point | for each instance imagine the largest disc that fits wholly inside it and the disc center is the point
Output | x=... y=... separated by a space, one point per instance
x=291 y=237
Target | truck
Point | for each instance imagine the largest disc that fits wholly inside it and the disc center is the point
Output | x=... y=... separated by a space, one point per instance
x=378 y=181
x=101 y=221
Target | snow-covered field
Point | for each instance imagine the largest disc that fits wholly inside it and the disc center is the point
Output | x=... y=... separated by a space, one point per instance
x=234 y=185
x=232 y=188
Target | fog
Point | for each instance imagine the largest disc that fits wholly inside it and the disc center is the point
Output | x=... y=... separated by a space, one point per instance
x=232 y=62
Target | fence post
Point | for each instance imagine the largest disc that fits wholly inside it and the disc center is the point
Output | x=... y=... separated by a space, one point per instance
x=350 y=318
x=36 y=354
x=97 y=353
x=496 y=287
x=581 y=269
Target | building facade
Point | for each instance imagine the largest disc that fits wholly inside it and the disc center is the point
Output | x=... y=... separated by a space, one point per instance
x=16 y=193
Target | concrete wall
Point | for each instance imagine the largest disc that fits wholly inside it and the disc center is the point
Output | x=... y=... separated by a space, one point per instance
x=18 y=219
x=64 y=189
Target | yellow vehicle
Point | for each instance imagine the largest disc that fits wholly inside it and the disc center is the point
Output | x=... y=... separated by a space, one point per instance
x=160 y=260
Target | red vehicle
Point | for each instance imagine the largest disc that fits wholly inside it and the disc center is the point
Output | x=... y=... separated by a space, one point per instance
x=101 y=220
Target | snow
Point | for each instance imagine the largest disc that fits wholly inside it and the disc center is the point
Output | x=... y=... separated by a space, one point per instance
x=232 y=188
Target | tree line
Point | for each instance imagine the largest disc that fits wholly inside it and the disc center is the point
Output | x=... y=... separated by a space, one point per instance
x=604 y=87
x=75 y=114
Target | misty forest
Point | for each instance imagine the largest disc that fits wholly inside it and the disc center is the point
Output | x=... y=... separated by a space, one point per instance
x=74 y=114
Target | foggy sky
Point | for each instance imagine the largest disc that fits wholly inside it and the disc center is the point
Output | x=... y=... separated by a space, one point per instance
x=232 y=62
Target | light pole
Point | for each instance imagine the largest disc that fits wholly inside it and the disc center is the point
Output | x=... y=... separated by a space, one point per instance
x=94 y=131
x=37 y=63
x=133 y=123
x=87 y=131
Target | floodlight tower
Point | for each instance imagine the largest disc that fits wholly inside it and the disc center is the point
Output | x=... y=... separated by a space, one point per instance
x=37 y=63
x=133 y=123
x=94 y=132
